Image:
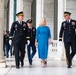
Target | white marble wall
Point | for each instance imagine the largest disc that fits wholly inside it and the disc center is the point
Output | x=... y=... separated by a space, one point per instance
x=5 y=14
x=27 y=9
x=49 y=14
x=2 y=60
x=5 y=19
x=71 y=7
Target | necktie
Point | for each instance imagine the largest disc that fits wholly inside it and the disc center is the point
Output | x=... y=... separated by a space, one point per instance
x=20 y=23
x=67 y=21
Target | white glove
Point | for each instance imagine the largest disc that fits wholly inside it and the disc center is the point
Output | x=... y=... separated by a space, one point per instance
x=28 y=42
x=10 y=42
x=60 y=43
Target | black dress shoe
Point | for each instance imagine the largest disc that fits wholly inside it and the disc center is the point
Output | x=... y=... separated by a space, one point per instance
x=17 y=67
x=30 y=63
x=69 y=66
x=7 y=56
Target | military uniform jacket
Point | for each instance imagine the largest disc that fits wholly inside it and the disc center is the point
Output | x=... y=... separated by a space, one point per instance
x=31 y=33
x=18 y=32
x=6 y=39
x=68 y=31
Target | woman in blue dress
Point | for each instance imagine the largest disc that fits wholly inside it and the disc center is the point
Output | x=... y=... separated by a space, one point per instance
x=43 y=36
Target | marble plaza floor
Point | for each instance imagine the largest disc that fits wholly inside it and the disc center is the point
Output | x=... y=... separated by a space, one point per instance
x=52 y=68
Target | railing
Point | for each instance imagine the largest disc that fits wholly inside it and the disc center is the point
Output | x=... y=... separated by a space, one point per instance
x=56 y=51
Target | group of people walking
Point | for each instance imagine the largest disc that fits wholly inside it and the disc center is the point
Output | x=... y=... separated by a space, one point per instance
x=23 y=33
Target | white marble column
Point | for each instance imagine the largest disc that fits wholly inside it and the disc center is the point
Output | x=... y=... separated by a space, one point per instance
x=11 y=13
x=2 y=59
x=61 y=9
x=19 y=5
x=39 y=11
x=60 y=14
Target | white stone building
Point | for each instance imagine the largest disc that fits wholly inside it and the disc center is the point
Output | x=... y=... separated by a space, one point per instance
x=52 y=10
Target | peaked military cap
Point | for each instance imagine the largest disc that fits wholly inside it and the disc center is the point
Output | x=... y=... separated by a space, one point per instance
x=20 y=13
x=29 y=21
x=67 y=13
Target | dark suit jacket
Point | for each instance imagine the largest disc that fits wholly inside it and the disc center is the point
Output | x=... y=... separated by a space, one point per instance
x=18 y=32
x=68 y=31
x=31 y=33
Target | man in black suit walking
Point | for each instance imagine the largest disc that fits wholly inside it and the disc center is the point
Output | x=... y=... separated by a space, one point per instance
x=18 y=33
x=68 y=31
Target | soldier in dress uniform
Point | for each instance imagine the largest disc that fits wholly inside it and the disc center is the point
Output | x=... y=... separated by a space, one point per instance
x=18 y=33
x=68 y=31
x=6 y=43
x=31 y=32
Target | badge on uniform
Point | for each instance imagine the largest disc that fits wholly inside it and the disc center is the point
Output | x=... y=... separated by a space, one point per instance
x=16 y=27
x=23 y=28
x=73 y=23
x=34 y=30
x=64 y=25
x=24 y=25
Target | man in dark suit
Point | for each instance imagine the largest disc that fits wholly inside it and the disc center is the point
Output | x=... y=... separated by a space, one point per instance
x=31 y=32
x=18 y=33
x=68 y=31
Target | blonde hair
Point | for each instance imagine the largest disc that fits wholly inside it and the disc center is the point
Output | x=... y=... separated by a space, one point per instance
x=42 y=22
